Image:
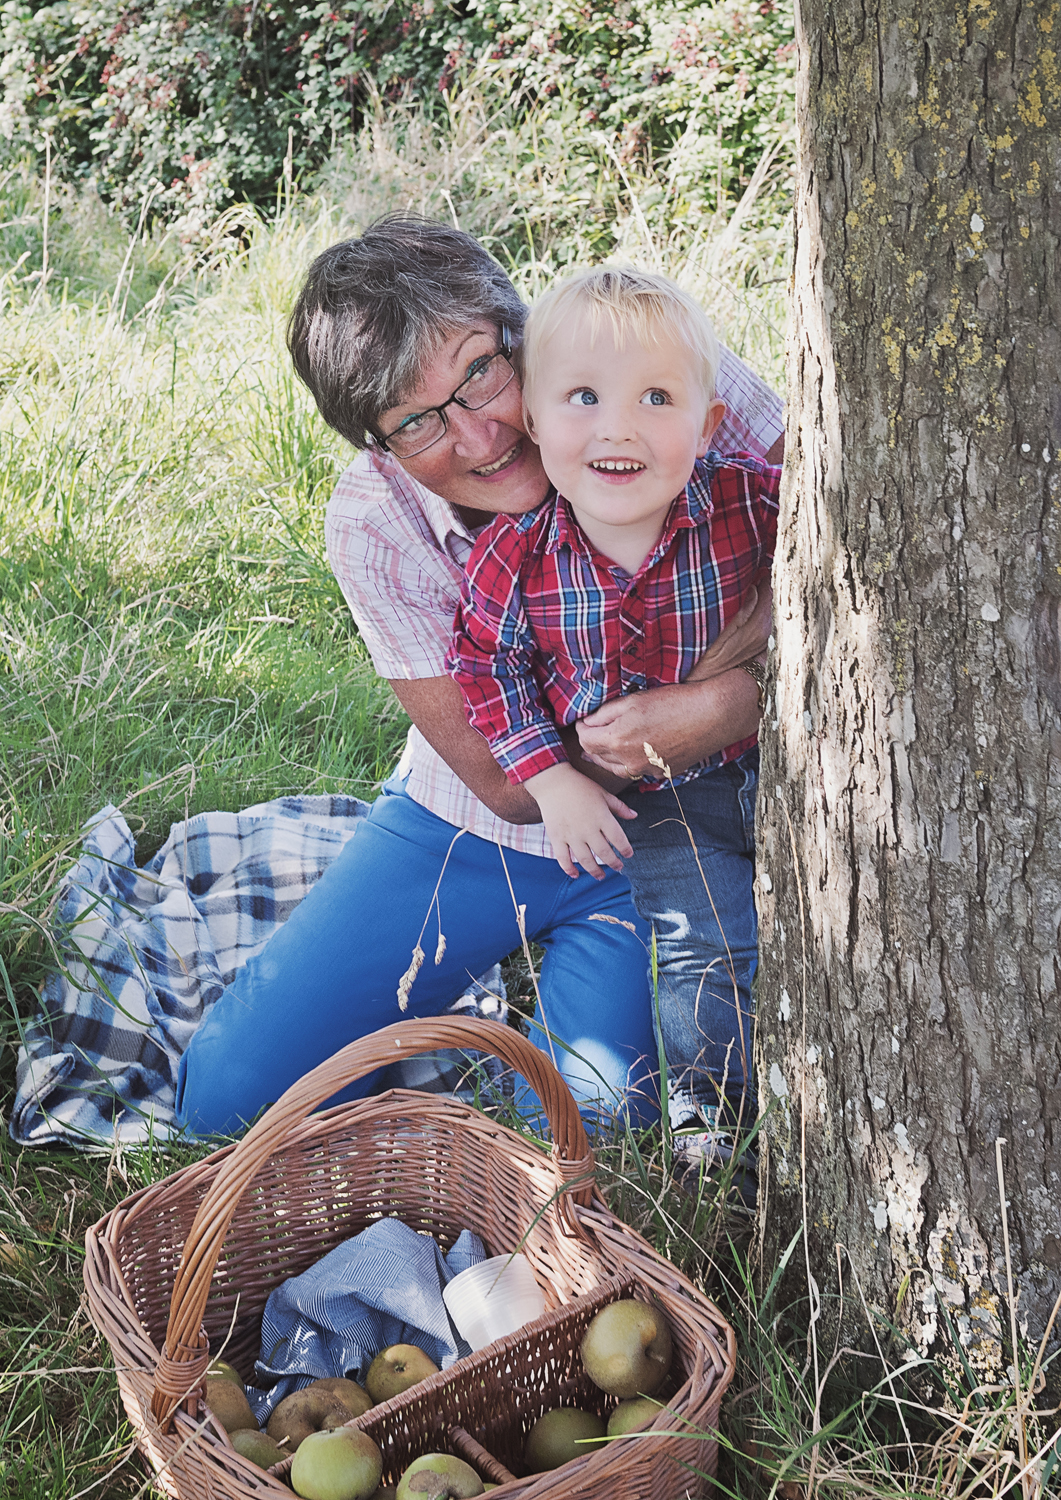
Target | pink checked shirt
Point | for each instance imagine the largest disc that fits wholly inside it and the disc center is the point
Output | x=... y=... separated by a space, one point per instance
x=399 y=551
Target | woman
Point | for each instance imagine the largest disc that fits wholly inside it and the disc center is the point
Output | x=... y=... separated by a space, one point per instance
x=407 y=338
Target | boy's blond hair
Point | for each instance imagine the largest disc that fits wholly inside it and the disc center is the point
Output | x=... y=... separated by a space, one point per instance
x=635 y=304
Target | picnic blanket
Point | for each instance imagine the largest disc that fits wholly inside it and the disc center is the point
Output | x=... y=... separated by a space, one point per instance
x=147 y=951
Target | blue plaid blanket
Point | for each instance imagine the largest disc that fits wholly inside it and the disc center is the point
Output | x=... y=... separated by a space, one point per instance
x=147 y=951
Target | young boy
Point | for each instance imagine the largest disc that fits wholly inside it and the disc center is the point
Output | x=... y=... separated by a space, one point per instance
x=618 y=584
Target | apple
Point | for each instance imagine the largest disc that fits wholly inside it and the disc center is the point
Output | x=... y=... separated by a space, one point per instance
x=341 y=1465
x=225 y=1372
x=258 y=1447
x=627 y=1349
x=353 y=1396
x=439 y=1476
x=306 y=1411
x=229 y=1404
x=395 y=1369
x=631 y=1416
x=559 y=1436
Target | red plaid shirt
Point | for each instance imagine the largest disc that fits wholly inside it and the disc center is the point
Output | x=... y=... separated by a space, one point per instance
x=547 y=629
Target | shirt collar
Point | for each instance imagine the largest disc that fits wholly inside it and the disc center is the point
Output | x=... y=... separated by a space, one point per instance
x=693 y=505
x=438 y=513
x=564 y=530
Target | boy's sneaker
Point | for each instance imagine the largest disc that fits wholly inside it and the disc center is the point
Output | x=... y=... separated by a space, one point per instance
x=715 y=1155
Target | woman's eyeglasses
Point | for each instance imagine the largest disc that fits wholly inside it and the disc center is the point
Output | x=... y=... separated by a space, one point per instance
x=486 y=379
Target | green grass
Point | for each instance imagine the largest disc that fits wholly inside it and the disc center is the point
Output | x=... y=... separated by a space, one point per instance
x=172 y=640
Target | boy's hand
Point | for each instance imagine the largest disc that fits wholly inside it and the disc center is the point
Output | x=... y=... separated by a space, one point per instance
x=582 y=820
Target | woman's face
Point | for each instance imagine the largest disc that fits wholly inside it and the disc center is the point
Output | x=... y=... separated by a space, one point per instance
x=485 y=461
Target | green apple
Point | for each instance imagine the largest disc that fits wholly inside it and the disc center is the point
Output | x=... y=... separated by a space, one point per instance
x=631 y=1416
x=560 y=1435
x=225 y=1372
x=229 y=1404
x=439 y=1476
x=258 y=1447
x=627 y=1349
x=341 y=1465
x=395 y=1369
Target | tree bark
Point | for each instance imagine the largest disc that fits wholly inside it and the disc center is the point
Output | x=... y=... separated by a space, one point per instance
x=910 y=803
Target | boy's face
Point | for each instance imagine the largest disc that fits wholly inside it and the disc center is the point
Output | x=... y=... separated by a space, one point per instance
x=619 y=428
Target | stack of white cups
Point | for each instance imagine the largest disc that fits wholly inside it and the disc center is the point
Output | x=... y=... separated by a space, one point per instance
x=493 y=1298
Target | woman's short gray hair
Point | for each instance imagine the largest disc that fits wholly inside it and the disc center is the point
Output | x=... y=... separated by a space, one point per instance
x=373 y=312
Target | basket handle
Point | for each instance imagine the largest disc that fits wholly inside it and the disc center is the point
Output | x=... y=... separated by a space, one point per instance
x=185 y=1354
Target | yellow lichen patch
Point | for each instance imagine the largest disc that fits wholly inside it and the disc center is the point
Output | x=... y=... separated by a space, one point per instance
x=1051 y=82
x=1030 y=108
x=1046 y=23
x=945 y=336
x=894 y=355
x=897 y=161
x=1033 y=186
x=1025 y=231
x=926 y=108
x=1004 y=142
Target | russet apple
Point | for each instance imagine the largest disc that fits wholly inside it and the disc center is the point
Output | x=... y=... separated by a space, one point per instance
x=228 y=1402
x=313 y=1409
x=353 y=1396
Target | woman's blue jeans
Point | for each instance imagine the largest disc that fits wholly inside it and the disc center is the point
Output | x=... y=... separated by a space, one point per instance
x=331 y=973
x=701 y=905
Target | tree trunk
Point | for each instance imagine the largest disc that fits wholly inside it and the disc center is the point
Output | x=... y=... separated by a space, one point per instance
x=910 y=805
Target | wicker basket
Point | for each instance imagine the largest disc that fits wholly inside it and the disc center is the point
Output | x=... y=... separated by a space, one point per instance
x=186 y=1266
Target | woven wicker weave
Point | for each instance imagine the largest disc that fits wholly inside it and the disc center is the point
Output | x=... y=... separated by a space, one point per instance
x=186 y=1266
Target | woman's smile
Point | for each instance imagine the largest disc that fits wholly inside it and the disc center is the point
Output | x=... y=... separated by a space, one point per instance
x=484 y=461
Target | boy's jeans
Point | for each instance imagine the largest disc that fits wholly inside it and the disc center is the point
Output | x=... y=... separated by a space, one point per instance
x=705 y=923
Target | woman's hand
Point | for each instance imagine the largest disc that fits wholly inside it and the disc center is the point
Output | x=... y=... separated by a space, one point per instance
x=582 y=820
x=715 y=706
x=683 y=725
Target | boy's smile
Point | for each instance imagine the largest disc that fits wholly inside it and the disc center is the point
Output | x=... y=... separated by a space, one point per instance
x=619 y=427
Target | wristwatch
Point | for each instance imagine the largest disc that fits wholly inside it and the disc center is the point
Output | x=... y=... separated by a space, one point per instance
x=758 y=671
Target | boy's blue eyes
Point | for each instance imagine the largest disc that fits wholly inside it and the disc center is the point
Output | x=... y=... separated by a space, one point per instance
x=585 y=397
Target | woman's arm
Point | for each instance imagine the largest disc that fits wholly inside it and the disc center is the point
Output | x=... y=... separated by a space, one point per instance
x=435 y=707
